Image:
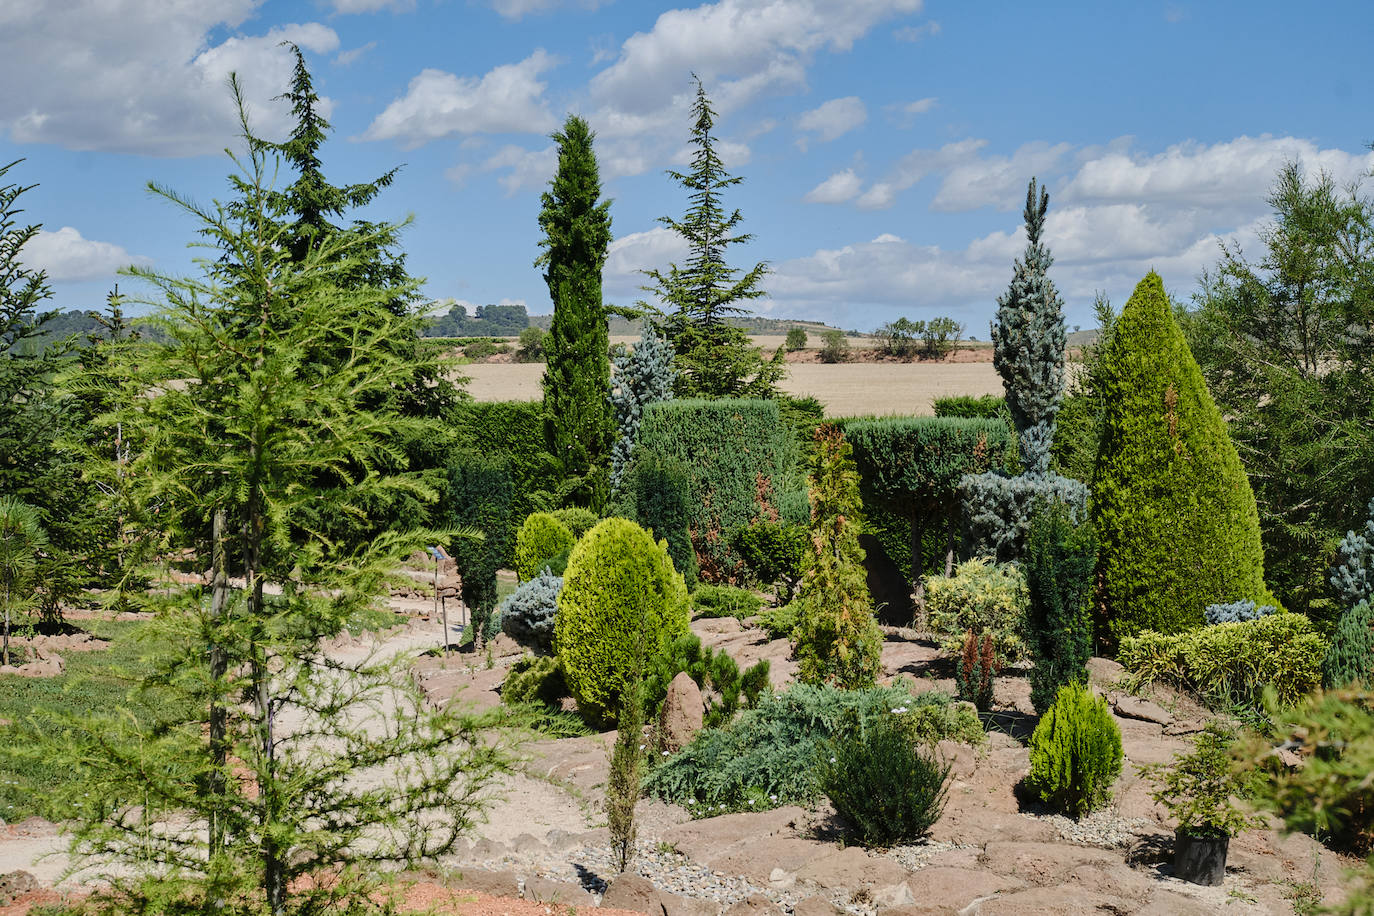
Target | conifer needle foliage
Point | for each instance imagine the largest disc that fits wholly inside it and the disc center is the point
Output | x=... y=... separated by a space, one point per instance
x=714 y=358
x=280 y=777
x=837 y=640
x=577 y=230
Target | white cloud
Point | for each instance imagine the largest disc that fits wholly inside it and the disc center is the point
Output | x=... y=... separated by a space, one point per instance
x=140 y=76
x=349 y=7
x=518 y=9
x=997 y=181
x=349 y=57
x=629 y=254
x=69 y=258
x=508 y=99
x=1234 y=171
x=917 y=32
x=835 y=118
x=741 y=48
x=837 y=189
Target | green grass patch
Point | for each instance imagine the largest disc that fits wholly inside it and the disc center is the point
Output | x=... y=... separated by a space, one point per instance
x=93 y=684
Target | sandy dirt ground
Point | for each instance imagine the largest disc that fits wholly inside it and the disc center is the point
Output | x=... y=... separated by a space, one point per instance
x=846 y=389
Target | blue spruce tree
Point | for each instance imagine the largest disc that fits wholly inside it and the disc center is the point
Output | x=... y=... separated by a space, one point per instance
x=1028 y=351
x=642 y=376
x=1353 y=576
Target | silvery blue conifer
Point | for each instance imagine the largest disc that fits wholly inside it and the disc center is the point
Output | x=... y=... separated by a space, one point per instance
x=642 y=377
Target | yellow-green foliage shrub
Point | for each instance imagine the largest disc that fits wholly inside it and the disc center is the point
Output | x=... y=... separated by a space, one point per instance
x=1235 y=661
x=619 y=582
x=1075 y=752
x=984 y=597
x=541 y=538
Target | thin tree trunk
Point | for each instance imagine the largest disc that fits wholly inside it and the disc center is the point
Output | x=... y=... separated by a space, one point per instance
x=219 y=598
x=918 y=583
x=949 y=544
x=269 y=805
x=5 y=652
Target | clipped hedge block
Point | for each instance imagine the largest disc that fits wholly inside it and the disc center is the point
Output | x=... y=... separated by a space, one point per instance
x=1233 y=660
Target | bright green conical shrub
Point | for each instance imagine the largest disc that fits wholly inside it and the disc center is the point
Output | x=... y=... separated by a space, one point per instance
x=1175 y=517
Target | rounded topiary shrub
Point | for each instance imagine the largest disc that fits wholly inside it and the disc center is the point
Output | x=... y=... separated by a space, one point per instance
x=1350 y=657
x=1075 y=752
x=541 y=538
x=984 y=597
x=621 y=595
x=578 y=519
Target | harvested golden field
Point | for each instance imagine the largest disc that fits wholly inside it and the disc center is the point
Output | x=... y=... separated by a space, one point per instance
x=846 y=389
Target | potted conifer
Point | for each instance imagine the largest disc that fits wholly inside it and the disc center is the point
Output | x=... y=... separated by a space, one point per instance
x=1199 y=789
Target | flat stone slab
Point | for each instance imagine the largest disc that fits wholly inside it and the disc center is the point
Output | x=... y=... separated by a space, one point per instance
x=1043 y=863
x=485 y=881
x=1053 y=901
x=551 y=890
x=712 y=837
x=758 y=859
x=1138 y=708
x=852 y=868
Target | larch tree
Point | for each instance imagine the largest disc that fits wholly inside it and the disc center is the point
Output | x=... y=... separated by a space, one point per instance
x=244 y=796
x=576 y=224
x=714 y=358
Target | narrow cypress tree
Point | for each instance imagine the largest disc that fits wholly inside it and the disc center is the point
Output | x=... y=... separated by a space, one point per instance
x=1028 y=340
x=1174 y=513
x=577 y=229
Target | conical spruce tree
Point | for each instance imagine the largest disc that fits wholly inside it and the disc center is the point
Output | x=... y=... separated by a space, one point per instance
x=577 y=230
x=1028 y=341
x=1176 y=519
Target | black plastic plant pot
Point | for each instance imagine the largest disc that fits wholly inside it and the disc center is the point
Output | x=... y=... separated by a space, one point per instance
x=1200 y=859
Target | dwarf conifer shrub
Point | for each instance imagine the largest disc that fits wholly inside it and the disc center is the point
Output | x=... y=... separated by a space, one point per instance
x=984 y=597
x=889 y=788
x=1350 y=658
x=578 y=519
x=1060 y=560
x=619 y=582
x=541 y=538
x=1075 y=752
x=1175 y=517
x=774 y=553
x=534 y=679
x=725 y=601
x=724 y=687
x=1353 y=575
x=527 y=614
x=975 y=669
x=1236 y=611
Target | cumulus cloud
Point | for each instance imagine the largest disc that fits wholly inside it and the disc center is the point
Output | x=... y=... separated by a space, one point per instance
x=349 y=7
x=140 y=76
x=835 y=118
x=349 y=57
x=917 y=32
x=629 y=254
x=508 y=99
x=837 y=189
x=518 y=9
x=69 y=258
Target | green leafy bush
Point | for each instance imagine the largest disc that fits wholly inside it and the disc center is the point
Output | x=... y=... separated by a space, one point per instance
x=1175 y=516
x=984 y=597
x=541 y=538
x=781 y=621
x=885 y=785
x=969 y=406
x=834 y=347
x=578 y=520
x=481 y=349
x=1235 y=661
x=656 y=492
x=620 y=590
x=716 y=673
x=771 y=755
x=1350 y=658
x=725 y=601
x=1075 y=752
x=796 y=339
x=774 y=553
x=739 y=458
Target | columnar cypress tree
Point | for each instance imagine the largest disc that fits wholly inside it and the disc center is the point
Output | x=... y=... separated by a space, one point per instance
x=577 y=229
x=1028 y=340
x=715 y=359
x=1174 y=513
x=1061 y=558
x=643 y=376
x=837 y=640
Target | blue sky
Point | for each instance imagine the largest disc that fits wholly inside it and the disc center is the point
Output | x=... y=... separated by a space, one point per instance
x=885 y=144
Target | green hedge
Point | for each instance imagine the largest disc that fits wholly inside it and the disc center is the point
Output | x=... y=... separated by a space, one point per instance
x=480 y=495
x=968 y=406
x=512 y=430
x=1232 y=662
x=741 y=460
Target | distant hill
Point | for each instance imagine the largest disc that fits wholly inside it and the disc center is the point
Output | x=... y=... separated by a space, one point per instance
x=623 y=327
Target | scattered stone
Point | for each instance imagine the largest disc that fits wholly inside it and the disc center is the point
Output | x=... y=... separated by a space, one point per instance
x=560 y=840
x=1105 y=829
x=891 y=896
x=815 y=906
x=851 y=867
x=549 y=890
x=1139 y=708
x=15 y=885
x=484 y=881
x=756 y=905
x=1104 y=671
x=679 y=905
x=633 y=892
x=682 y=712
x=487 y=849
x=527 y=844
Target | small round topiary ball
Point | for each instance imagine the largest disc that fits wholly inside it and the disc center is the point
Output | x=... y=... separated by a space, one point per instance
x=621 y=595
x=541 y=538
x=1075 y=752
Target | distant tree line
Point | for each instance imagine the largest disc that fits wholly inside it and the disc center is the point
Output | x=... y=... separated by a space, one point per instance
x=489 y=321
